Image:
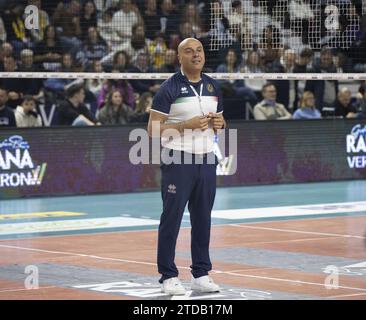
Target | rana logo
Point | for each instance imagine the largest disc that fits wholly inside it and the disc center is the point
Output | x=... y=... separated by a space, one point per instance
x=356 y=147
x=17 y=166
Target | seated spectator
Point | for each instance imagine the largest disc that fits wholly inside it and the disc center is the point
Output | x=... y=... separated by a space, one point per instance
x=361 y=104
x=123 y=86
x=142 y=112
x=94 y=48
x=287 y=90
x=142 y=65
x=13 y=86
x=48 y=52
x=107 y=31
x=66 y=19
x=253 y=65
x=37 y=34
x=151 y=18
x=114 y=111
x=157 y=50
x=6 y=50
x=17 y=34
x=307 y=108
x=7 y=118
x=234 y=88
x=171 y=64
x=30 y=86
x=88 y=18
x=73 y=111
x=169 y=19
x=268 y=108
x=124 y=20
x=95 y=85
x=325 y=91
x=26 y=114
x=343 y=106
x=137 y=44
x=191 y=15
x=57 y=85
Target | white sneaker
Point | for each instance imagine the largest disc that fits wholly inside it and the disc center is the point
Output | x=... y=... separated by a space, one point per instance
x=173 y=287
x=204 y=284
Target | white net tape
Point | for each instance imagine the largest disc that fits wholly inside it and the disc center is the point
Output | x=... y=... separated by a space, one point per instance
x=162 y=76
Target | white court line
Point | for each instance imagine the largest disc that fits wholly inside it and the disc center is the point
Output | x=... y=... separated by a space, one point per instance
x=181 y=267
x=346 y=295
x=297 y=231
x=24 y=289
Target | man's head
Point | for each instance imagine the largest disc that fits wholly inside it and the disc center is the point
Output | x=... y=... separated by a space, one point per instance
x=7 y=49
x=344 y=97
x=3 y=97
x=126 y=5
x=67 y=61
x=10 y=64
x=326 y=58
x=191 y=55
x=29 y=103
x=170 y=57
x=26 y=56
x=76 y=93
x=305 y=57
x=289 y=57
x=269 y=92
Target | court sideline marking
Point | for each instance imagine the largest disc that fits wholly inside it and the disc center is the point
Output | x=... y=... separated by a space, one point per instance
x=181 y=267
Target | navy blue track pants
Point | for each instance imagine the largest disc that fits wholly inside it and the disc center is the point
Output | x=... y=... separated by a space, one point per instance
x=181 y=183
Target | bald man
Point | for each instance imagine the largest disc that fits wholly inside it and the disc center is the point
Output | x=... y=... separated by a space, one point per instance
x=189 y=103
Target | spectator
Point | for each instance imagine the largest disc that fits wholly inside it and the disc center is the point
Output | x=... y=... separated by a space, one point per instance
x=287 y=89
x=124 y=19
x=88 y=18
x=141 y=66
x=7 y=118
x=30 y=86
x=142 y=112
x=240 y=24
x=48 y=52
x=2 y=31
x=95 y=85
x=13 y=86
x=253 y=65
x=66 y=19
x=157 y=50
x=343 y=106
x=26 y=114
x=307 y=108
x=234 y=88
x=137 y=44
x=325 y=91
x=191 y=15
x=170 y=62
x=73 y=111
x=95 y=48
x=38 y=34
x=185 y=31
x=6 y=50
x=361 y=104
x=169 y=20
x=16 y=32
x=269 y=44
x=106 y=30
x=104 y=5
x=268 y=108
x=152 y=19
x=123 y=86
x=114 y=111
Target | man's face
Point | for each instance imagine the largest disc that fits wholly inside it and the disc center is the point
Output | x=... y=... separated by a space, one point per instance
x=3 y=97
x=67 y=61
x=270 y=93
x=191 y=55
x=326 y=59
x=27 y=60
x=9 y=64
x=170 y=57
x=80 y=96
x=344 y=97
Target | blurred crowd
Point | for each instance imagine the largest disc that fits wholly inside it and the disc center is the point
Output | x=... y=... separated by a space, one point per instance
x=142 y=36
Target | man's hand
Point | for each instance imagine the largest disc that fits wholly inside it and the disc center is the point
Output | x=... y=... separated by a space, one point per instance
x=217 y=120
x=199 y=122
